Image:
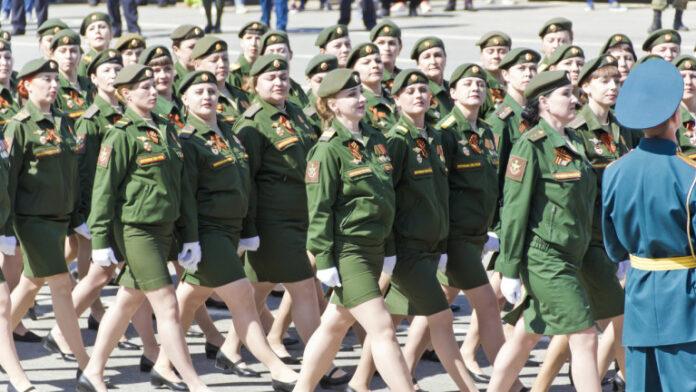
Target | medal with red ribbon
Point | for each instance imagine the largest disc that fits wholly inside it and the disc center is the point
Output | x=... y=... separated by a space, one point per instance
x=474 y=143
x=354 y=148
x=176 y=120
x=218 y=142
x=152 y=135
x=286 y=124
x=608 y=141
x=52 y=136
x=563 y=157
x=422 y=147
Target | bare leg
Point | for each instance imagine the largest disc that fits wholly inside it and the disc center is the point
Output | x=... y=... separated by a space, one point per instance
x=610 y=348
x=280 y=325
x=22 y=297
x=445 y=345
x=142 y=322
x=557 y=354
x=66 y=318
x=8 y=355
x=305 y=309
x=583 y=346
x=511 y=358
x=12 y=269
x=84 y=258
x=71 y=248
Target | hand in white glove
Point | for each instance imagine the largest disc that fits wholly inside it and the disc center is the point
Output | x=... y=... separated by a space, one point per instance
x=8 y=245
x=190 y=256
x=493 y=243
x=442 y=264
x=622 y=269
x=248 y=244
x=511 y=289
x=389 y=264
x=104 y=257
x=83 y=230
x=329 y=277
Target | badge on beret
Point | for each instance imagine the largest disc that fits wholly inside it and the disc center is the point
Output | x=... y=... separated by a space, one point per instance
x=255 y=26
x=687 y=64
x=196 y=31
x=148 y=73
x=368 y=49
x=273 y=38
x=515 y=168
x=574 y=51
x=66 y=40
x=158 y=51
x=426 y=44
x=387 y=29
x=52 y=65
x=312 y=173
x=413 y=78
x=553 y=28
x=324 y=66
x=276 y=64
x=134 y=43
x=104 y=156
x=218 y=46
x=204 y=77
x=668 y=37
x=617 y=38
x=339 y=30
x=94 y=17
x=56 y=29
x=496 y=41
x=528 y=57
x=475 y=69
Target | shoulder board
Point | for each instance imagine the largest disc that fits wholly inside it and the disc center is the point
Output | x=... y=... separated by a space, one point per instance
x=327 y=135
x=252 y=110
x=401 y=129
x=186 y=132
x=310 y=111
x=86 y=59
x=91 y=111
x=503 y=112
x=577 y=122
x=122 y=122
x=235 y=66
x=537 y=135
x=448 y=121
x=22 y=115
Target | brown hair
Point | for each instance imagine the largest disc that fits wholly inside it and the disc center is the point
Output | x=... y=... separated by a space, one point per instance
x=160 y=61
x=610 y=71
x=248 y=84
x=22 y=88
x=325 y=113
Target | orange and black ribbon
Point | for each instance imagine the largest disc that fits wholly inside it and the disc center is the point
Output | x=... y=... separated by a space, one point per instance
x=354 y=148
x=173 y=117
x=75 y=96
x=608 y=141
x=423 y=147
x=689 y=125
x=52 y=136
x=497 y=94
x=523 y=126
x=377 y=114
x=153 y=135
x=474 y=143
x=218 y=142
x=563 y=157
x=286 y=124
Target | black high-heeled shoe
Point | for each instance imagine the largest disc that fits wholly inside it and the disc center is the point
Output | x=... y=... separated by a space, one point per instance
x=228 y=367
x=146 y=364
x=84 y=385
x=92 y=323
x=157 y=381
x=28 y=337
x=280 y=386
x=107 y=380
x=49 y=343
x=211 y=350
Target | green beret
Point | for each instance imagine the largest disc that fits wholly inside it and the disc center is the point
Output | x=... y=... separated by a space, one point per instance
x=153 y=52
x=51 y=27
x=595 y=64
x=65 y=37
x=494 y=38
x=185 y=32
x=385 y=28
x=360 y=51
x=331 y=33
x=130 y=41
x=519 y=56
x=208 y=45
x=133 y=73
x=662 y=36
x=555 y=25
x=321 y=63
x=617 y=39
x=268 y=63
x=104 y=57
x=6 y=35
x=94 y=17
x=647 y=57
x=564 y=52
x=258 y=28
x=196 y=77
x=424 y=44
x=406 y=78
x=274 y=37
x=5 y=45
x=685 y=62
x=545 y=82
x=468 y=70
x=37 y=66
x=336 y=81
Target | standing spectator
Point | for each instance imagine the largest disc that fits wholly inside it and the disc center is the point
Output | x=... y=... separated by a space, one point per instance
x=660 y=5
x=130 y=10
x=368 y=13
x=281 y=11
x=19 y=21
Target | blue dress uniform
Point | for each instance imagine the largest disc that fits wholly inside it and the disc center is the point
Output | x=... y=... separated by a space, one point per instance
x=130 y=12
x=647 y=216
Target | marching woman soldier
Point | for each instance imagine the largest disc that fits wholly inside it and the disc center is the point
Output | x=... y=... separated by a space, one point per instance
x=431 y=59
x=349 y=181
x=96 y=28
x=218 y=172
x=250 y=43
x=665 y=43
x=554 y=33
x=686 y=134
x=316 y=70
x=43 y=164
x=130 y=46
x=366 y=61
x=140 y=192
x=419 y=232
x=46 y=31
x=277 y=42
x=336 y=41
x=494 y=46
x=620 y=47
x=568 y=58
x=74 y=90
x=159 y=59
x=546 y=228
x=604 y=141
x=387 y=36
x=183 y=39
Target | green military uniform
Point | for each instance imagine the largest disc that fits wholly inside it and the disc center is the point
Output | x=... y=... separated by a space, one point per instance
x=351 y=202
x=183 y=33
x=239 y=71
x=277 y=142
x=387 y=28
x=168 y=108
x=51 y=27
x=73 y=98
x=140 y=193
x=5 y=203
x=218 y=173
x=546 y=221
x=9 y=105
x=554 y=25
x=495 y=89
x=472 y=163
x=43 y=166
x=330 y=33
x=686 y=135
x=131 y=45
x=297 y=94
x=565 y=52
x=89 y=56
x=617 y=40
x=662 y=36
x=441 y=102
x=321 y=63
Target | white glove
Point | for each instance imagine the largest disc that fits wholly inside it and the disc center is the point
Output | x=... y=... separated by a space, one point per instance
x=493 y=243
x=511 y=289
x=83 y=230
x=104 y=257
x=442 y=264
x=329 y=277
x=248 y=244
x=8 y=245
x=190 y=256
x=623 y=269
x=389 y=264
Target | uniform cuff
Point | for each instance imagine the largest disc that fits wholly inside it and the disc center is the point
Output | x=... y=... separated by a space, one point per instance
x=507 y=269
x=100 y=242
x=324 y=261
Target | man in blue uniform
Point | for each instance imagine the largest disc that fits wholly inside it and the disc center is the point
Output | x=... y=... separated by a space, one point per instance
x=130 y=12
x=648 y=217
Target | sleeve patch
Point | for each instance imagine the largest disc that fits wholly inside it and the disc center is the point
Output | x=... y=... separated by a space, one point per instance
x=515 y=169
x=104 y=156
x=312 y=172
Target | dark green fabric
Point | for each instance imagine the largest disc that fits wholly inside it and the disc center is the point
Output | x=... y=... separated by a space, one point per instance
x=146 y=248
x=415 y=289
x=43 y=244
x=359 y=268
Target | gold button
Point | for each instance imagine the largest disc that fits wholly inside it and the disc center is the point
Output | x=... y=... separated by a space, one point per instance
x=356 y=78
x=52 y=65
x=528 y=57
x=618 y=38
x=148 y=73
x=56 y=29
x=427 y=44
x=496 y=41
x=475 y=69
x=196 y=31
x=66 y=40
x=668 y=37
x=255 y=26
x=133 y=43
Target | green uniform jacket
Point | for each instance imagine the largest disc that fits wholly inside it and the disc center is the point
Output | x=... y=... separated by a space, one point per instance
x=239 y=71
x=231 y=107
x=277 y=142
x=472 y=162
x=139 y=180
x=380 y=111
x=297 y=94
x=350 y=196
x=548 y=199
x=179 y=72
x=217 y=170
x=43 y=162
x=5 y=204
x=170 y=111
x=90 y=130
x=422 y=189
x=495 y=93
x=85 y=61
x=71 y=100
x=602 y=145
x=686 y=135
x=8 y=106
x=440 y=103
x=388 y=79
x=310 y=112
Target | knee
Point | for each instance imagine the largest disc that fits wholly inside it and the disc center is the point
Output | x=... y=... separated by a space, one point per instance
x=584 y=341
x=60 y=284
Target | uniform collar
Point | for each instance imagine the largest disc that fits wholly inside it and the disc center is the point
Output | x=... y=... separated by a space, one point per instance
x=658 y=146
x=491 y=81
x=105 y=108
x=510 y=102
x=244 y=64
x=342 y=132
x=180 y=70
x=437 y=89
x=412 y=129
x=139 y=121
x=64 y=83
x=36 y=114
x=373 y=99
x=166 y=107
x=272 y=110
x=685 y=114
x=556 y=139
x=464 y=124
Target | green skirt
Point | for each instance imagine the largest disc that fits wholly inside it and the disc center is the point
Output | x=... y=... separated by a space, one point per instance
x=598 y=275
x=220 y=264
x=415 y=289
x=464 y=268
x=282 y=255
x=359 y=268
x=43 y=245
x=146 y=248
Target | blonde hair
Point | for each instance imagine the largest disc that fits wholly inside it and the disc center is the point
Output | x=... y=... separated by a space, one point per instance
x=325 y=113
